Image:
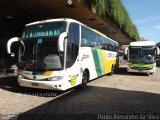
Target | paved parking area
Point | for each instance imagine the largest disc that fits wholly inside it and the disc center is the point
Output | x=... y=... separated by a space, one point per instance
x=121 y=95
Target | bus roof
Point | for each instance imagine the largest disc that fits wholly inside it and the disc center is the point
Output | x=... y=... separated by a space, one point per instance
x=143 y=43
x=54 y=20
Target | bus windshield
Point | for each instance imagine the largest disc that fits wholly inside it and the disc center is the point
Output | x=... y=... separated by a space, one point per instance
x=52 y=29
x=41 y=55
x=143 y=55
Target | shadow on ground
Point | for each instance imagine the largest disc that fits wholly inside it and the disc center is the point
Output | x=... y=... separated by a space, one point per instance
x=11 y=84
x=89 y=103
x=158 y=63
x=123 y=71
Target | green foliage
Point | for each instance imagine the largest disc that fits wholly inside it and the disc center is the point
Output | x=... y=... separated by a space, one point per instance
x=115 y=10
x=100 y=7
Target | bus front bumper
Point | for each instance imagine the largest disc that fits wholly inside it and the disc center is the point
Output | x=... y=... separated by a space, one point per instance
x=50 y=85
x=142 y=70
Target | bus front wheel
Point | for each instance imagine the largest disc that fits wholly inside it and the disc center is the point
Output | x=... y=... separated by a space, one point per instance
x=85 y=78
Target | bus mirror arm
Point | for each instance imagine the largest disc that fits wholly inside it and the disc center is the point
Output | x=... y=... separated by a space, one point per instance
x=61 y=39
x=9 y=43
x=126 y=51
x=158 y=51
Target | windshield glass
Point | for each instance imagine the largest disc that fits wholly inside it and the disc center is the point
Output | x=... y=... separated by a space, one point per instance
x=41 y=54
x=144 y=55
x=148 y=55
x=135 y=54
x=53 y=29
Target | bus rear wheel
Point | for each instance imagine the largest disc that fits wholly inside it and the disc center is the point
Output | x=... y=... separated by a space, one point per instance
x=112 y=70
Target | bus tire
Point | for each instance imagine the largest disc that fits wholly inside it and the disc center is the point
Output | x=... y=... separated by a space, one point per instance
x=85 y=78
x=112 y=70
x=151 y=73
x=116 y=69
x=147 y=74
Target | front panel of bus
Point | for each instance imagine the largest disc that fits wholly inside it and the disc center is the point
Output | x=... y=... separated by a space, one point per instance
x=41 y=65
x=142 y=58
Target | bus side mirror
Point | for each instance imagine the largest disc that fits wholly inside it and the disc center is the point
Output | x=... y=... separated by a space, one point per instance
x=61 y=41
x=158 y=51
x=126 y=51
x=9 y=43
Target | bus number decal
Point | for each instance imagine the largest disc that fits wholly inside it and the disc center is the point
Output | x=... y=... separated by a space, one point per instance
x=110 y=55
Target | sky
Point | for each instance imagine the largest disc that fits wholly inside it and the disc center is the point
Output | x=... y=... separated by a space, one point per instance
x=145 y=14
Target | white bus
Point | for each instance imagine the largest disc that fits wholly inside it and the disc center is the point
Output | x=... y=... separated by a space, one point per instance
x=59 y=54
x=142 y=57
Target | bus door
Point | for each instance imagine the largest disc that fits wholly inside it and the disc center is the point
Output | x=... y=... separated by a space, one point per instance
x=72 y=50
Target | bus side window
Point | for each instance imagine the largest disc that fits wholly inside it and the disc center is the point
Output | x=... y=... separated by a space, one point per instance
x=85 y=37
x=95 y=40
x=83 y=42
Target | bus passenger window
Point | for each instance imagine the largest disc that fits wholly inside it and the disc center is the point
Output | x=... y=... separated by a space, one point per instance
x=85 y=37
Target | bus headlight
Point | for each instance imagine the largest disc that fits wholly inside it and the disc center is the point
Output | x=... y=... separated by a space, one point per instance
x=55 y=78
x=20 y=76
x=131 y=66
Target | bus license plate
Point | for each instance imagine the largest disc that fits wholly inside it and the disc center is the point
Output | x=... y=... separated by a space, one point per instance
x=35 y=84
x=140 y=70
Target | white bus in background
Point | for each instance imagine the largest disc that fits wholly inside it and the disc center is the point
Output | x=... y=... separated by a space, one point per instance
x=142 y=57
x=59 y=54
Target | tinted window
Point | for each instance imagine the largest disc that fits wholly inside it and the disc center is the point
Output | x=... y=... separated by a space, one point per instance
x=72 y=44
x=53 y=29
x=93 y=39
x=40 y=56
x=103 y=42
x=86 y=37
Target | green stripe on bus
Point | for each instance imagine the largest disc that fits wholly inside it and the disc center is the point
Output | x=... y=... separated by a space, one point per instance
x=97 y=61
x=142 y=65
x=101 y=61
